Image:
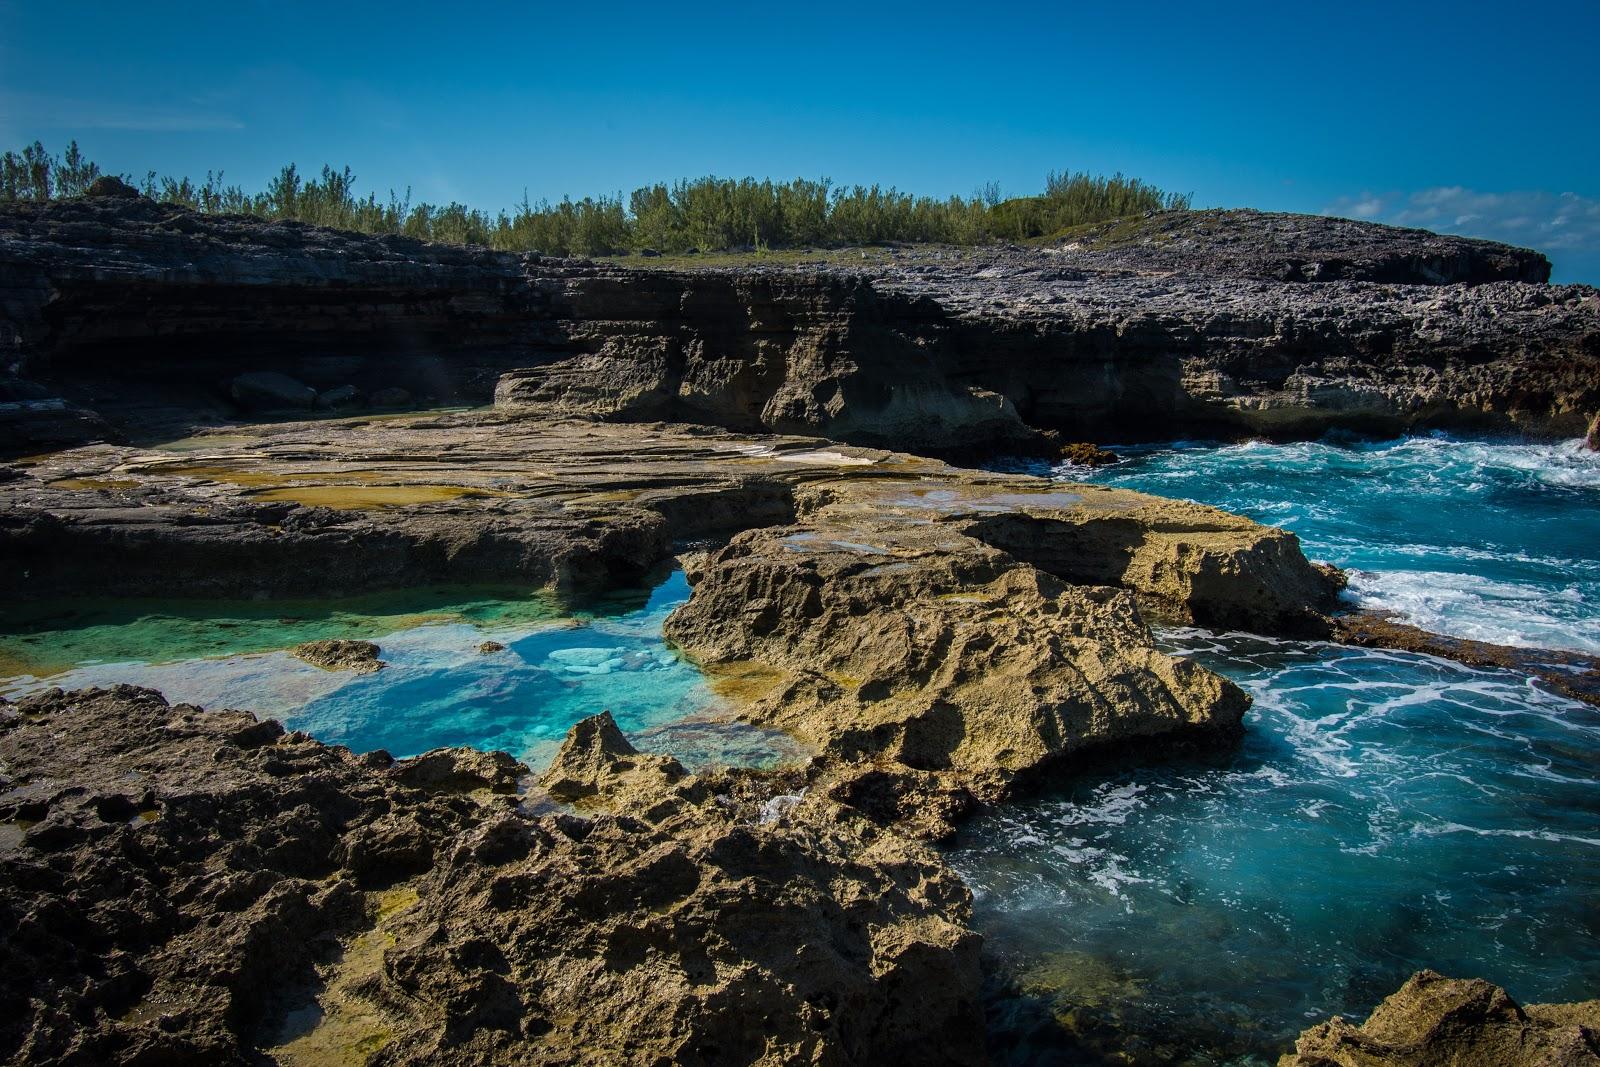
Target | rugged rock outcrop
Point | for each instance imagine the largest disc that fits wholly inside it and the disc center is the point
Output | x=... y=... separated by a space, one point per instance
x=356 y=504
x=1592 y=438
x=1205 y=322
x=332 y=654
x=1434 y=1021
x=942 y=662
x=189 y=886
x=955 y=637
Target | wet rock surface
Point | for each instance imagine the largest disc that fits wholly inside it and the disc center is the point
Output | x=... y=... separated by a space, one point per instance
x=1572 y=674
x=1216 y=322
x=1434 y=1021
x=332 y=654
x=191 y=886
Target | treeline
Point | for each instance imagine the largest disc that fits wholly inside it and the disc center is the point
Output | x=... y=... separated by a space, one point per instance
x=701 y=214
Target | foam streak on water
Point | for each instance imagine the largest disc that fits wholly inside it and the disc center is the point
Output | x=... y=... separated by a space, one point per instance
x=1386 y=812
x=1493 y=540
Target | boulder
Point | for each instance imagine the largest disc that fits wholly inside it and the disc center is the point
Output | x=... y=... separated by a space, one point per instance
x=1434 y=1021
x=338 y=655
x=112 y=186
x=271 y=391
x=1592 y=438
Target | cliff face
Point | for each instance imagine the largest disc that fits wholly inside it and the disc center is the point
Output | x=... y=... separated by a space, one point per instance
x=1208 y=322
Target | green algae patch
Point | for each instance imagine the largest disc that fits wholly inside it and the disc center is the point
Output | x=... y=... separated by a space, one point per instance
x=43 y=638
x=348 y=497
x=340 y=1027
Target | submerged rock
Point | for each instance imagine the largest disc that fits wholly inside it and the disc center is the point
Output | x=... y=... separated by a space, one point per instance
x=489 y=648
x=332 y=654
x=190 y=886
x=1434 y=1021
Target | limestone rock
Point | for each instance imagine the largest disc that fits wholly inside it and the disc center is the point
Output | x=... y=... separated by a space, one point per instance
x=922 y=650
x=1086 y=454
x=192 y=885
x=1208 y=322
x=597 y=763
x=1434 y=1021
x=337 y=655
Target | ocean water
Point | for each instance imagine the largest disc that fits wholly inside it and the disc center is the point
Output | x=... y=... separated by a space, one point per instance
x=559 y=665
x=1384 y=812
x=1493 y=540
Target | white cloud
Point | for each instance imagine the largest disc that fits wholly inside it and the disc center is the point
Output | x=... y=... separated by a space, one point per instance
x=42 y=111
x=1547 y=221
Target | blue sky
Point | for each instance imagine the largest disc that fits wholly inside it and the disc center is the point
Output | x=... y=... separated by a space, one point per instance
x=1473 y=117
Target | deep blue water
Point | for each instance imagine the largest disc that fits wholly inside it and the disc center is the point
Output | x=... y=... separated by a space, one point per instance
x=1385 y=811
x=1493 y=540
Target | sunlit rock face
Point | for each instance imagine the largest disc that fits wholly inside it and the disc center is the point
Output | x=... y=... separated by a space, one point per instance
x=253 y=892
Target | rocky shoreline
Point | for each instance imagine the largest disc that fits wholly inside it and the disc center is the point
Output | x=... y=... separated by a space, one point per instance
x=118 y=316
x=199 y=886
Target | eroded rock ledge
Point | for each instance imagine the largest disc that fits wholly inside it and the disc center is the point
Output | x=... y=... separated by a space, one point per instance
x=196 y=886
x=1434 y=1021
x=1208 y=322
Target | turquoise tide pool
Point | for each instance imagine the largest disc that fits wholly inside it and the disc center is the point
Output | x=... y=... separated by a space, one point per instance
x=559 y=665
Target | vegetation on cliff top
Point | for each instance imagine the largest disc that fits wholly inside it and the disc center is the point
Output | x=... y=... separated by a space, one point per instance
x=707 y=213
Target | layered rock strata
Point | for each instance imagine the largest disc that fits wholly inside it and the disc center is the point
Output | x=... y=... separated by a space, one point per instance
x=1434 y=1021
x=196 y=886
x=1203 y=322
x=344 y=506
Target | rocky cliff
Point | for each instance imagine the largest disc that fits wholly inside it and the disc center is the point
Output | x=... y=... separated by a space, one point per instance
x=148 y=314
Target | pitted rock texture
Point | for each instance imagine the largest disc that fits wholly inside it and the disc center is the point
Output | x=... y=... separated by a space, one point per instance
x=182 y=886
x=332 y=654
x=1209 y=322
x=1434 y=1021
x=942 y=661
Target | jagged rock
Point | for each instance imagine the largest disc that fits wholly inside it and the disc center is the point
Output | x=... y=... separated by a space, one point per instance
x=346 y=506
x=596 y=761
x=337 y=655
x=926 y=650
x=1085 y=454
x=1434 y=1021
x=111 y=185
x=488 y=648
x=193 y=886
x=1592 y=438
x=270 y=391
